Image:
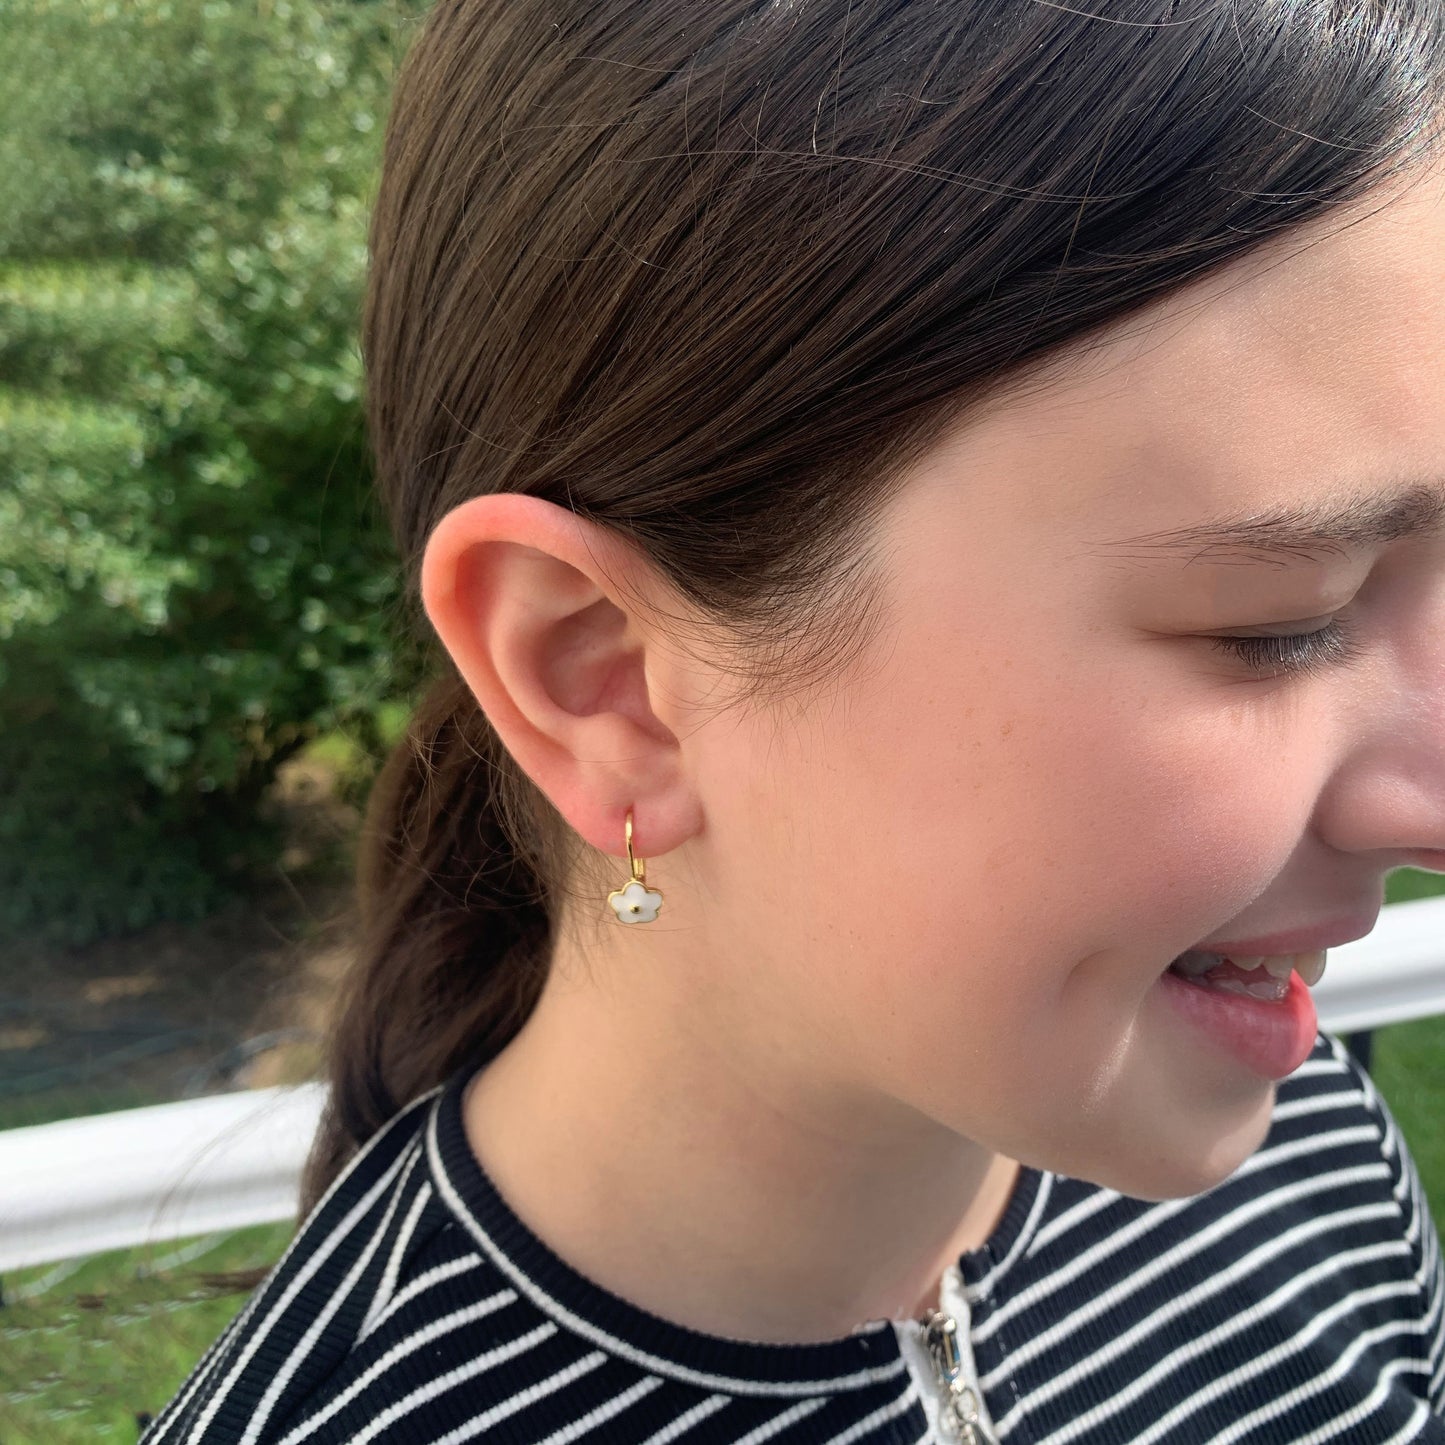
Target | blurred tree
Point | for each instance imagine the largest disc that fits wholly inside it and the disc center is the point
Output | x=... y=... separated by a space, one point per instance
x=193 y=580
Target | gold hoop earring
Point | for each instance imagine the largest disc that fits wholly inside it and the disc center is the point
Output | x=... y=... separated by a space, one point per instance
x=635 y=902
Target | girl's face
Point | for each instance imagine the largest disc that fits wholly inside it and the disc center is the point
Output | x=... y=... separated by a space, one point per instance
x=968 y=868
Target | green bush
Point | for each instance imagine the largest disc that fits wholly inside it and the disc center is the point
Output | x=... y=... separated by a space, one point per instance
x=193 y=580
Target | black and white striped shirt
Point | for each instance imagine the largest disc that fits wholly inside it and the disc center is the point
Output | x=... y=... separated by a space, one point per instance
x=1299 y=1300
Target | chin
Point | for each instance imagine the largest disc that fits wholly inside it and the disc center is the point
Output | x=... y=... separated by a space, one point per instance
x=1163 y=1154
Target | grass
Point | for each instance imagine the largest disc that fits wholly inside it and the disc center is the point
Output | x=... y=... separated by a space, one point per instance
x=1407 y=1065
x=77 y=1102
x=112 y=1341
x=1408 y=1068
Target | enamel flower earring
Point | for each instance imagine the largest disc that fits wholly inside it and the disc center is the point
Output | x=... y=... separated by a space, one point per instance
x=635 y=902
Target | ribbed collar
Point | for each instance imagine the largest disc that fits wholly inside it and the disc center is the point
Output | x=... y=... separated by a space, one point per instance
x=869 y=1355
x=983 y=1268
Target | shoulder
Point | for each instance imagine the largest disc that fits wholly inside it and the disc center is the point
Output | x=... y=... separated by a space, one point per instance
x=345 y=1266
x=1308 y=1281
x=1331 y=1099
x=1340 y=1094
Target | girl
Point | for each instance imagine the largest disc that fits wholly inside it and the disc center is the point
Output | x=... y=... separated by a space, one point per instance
x=932 y=514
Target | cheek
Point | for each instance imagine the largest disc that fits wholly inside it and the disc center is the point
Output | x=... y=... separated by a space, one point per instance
x=1203 y=807
x=1055 y=817
x=1004 y=849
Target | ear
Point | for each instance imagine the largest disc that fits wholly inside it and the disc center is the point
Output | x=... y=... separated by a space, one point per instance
x=522 y=595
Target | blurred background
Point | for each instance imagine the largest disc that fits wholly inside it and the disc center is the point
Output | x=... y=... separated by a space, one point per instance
x=198 y=672
x=200 y=666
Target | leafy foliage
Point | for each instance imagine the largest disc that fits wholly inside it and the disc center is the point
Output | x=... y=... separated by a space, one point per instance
x=193 y=581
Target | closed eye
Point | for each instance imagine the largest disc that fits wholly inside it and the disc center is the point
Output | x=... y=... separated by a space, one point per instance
x=1298 y=653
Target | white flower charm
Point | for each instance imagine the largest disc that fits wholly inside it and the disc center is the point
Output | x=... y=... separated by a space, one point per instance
x=635 y=903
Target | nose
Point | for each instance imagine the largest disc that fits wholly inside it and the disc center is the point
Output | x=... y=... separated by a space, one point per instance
x=1386 y=796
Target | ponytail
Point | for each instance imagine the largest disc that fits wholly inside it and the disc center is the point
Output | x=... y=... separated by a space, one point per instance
x=454 y=924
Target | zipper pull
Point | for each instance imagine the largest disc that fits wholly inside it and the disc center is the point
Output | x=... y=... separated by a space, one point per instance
x=959 y=1412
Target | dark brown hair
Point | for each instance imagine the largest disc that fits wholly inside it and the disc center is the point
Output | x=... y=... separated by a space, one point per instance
x=710 y=273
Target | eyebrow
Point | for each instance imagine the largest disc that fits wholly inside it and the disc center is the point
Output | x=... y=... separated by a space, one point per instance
x=1409 y=508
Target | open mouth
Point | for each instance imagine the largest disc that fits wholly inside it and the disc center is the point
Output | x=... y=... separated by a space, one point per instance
x=1262 y=978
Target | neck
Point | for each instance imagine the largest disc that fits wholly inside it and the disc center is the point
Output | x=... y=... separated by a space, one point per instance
x=710 y=1180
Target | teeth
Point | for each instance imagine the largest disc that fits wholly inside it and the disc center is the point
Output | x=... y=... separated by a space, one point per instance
x=1253 y=963
x=1309 y=966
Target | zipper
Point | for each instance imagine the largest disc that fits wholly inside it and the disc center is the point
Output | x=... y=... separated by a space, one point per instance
x=962 y=1415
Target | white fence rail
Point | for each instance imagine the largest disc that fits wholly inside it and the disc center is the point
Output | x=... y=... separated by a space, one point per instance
x=173 y=1171
x=141 y=1176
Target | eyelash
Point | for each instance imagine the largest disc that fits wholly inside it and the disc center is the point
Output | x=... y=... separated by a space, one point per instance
x=1296 y=654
